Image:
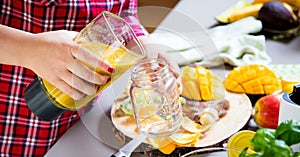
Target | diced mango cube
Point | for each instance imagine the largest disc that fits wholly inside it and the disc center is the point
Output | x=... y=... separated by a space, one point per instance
x=252 y=79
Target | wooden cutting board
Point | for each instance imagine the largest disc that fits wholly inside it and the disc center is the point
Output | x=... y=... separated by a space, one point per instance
x=237 y=116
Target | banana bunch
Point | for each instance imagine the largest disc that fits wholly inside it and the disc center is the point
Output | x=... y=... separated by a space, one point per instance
x=201 y=84
x=252 y=79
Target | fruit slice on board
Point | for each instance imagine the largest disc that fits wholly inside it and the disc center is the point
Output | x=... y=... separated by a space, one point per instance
x=252 y=79
x=165 y=145
x=200 y=83
x=185 y=138
x=203 y=76
x=239 y=10
x=189 y=125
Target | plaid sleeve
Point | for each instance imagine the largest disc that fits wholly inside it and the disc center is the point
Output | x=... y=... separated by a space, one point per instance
x=129 y=13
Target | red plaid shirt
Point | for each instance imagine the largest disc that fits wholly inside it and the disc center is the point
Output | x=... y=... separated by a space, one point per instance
x=21 y=132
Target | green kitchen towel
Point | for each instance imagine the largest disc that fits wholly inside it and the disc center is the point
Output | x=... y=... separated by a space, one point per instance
x=233 y=44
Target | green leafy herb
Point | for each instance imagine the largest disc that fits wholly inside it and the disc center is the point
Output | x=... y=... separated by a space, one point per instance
x=297 y=154
x=275 y=143
x=277 y=148
x=262 y=138
x=244 y=152
x=254 y=155
x=289 y=131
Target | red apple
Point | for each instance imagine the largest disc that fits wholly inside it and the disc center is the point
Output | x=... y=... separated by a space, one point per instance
x=266 y=111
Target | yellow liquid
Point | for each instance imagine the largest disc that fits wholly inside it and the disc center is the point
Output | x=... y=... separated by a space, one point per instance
x=119 y=58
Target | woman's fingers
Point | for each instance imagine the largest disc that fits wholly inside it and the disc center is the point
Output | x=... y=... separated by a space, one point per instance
x=91 y=59
x=79 y=84
x=67 y=65
x=69 y=90
x=174 y=68
x=87 y=74
x=81 y=71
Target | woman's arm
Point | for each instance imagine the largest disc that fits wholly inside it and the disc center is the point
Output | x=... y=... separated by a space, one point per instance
x=13 y=43
x=54 y=57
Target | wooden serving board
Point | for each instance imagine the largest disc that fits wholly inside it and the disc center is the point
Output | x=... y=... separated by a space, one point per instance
x=237 y=116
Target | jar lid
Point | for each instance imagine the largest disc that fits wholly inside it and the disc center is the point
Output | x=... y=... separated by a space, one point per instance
x=39 y=103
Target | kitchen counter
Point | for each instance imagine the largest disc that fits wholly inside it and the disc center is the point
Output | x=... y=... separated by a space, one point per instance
x=92 y=136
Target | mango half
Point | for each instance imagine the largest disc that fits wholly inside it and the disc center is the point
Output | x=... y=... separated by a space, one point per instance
x=201 y=84
x=252 y=79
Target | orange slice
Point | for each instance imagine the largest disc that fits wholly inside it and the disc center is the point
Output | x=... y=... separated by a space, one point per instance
x=165 y=145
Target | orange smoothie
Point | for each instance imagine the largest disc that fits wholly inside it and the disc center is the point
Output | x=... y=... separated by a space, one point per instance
x=119 y=58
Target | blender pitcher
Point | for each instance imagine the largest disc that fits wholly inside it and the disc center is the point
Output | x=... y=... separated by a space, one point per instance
x=110 y=38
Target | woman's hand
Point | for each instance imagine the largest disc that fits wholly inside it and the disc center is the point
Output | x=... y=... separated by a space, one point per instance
x=56 y=58
x=155 y=50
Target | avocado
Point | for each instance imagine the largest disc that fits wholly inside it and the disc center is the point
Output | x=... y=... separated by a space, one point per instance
x=275 y=15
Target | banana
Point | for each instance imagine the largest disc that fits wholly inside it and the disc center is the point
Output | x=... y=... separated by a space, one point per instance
x=261 y=1
x=251 y=10
x=295 y=3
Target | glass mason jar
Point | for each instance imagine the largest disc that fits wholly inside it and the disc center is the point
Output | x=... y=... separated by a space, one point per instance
x=154 y=93
x=110 y=38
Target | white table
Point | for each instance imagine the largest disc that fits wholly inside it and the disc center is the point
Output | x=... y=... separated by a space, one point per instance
x=84 y=138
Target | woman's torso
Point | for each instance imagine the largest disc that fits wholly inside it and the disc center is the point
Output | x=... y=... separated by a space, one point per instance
x=21 y=132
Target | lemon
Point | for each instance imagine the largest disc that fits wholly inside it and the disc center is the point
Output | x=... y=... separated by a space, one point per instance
x=189 y=125
x=207 y=119
x=213 y=112
x=159 y=142
x=239 y=141
x=204 y=128
x=184 y=138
